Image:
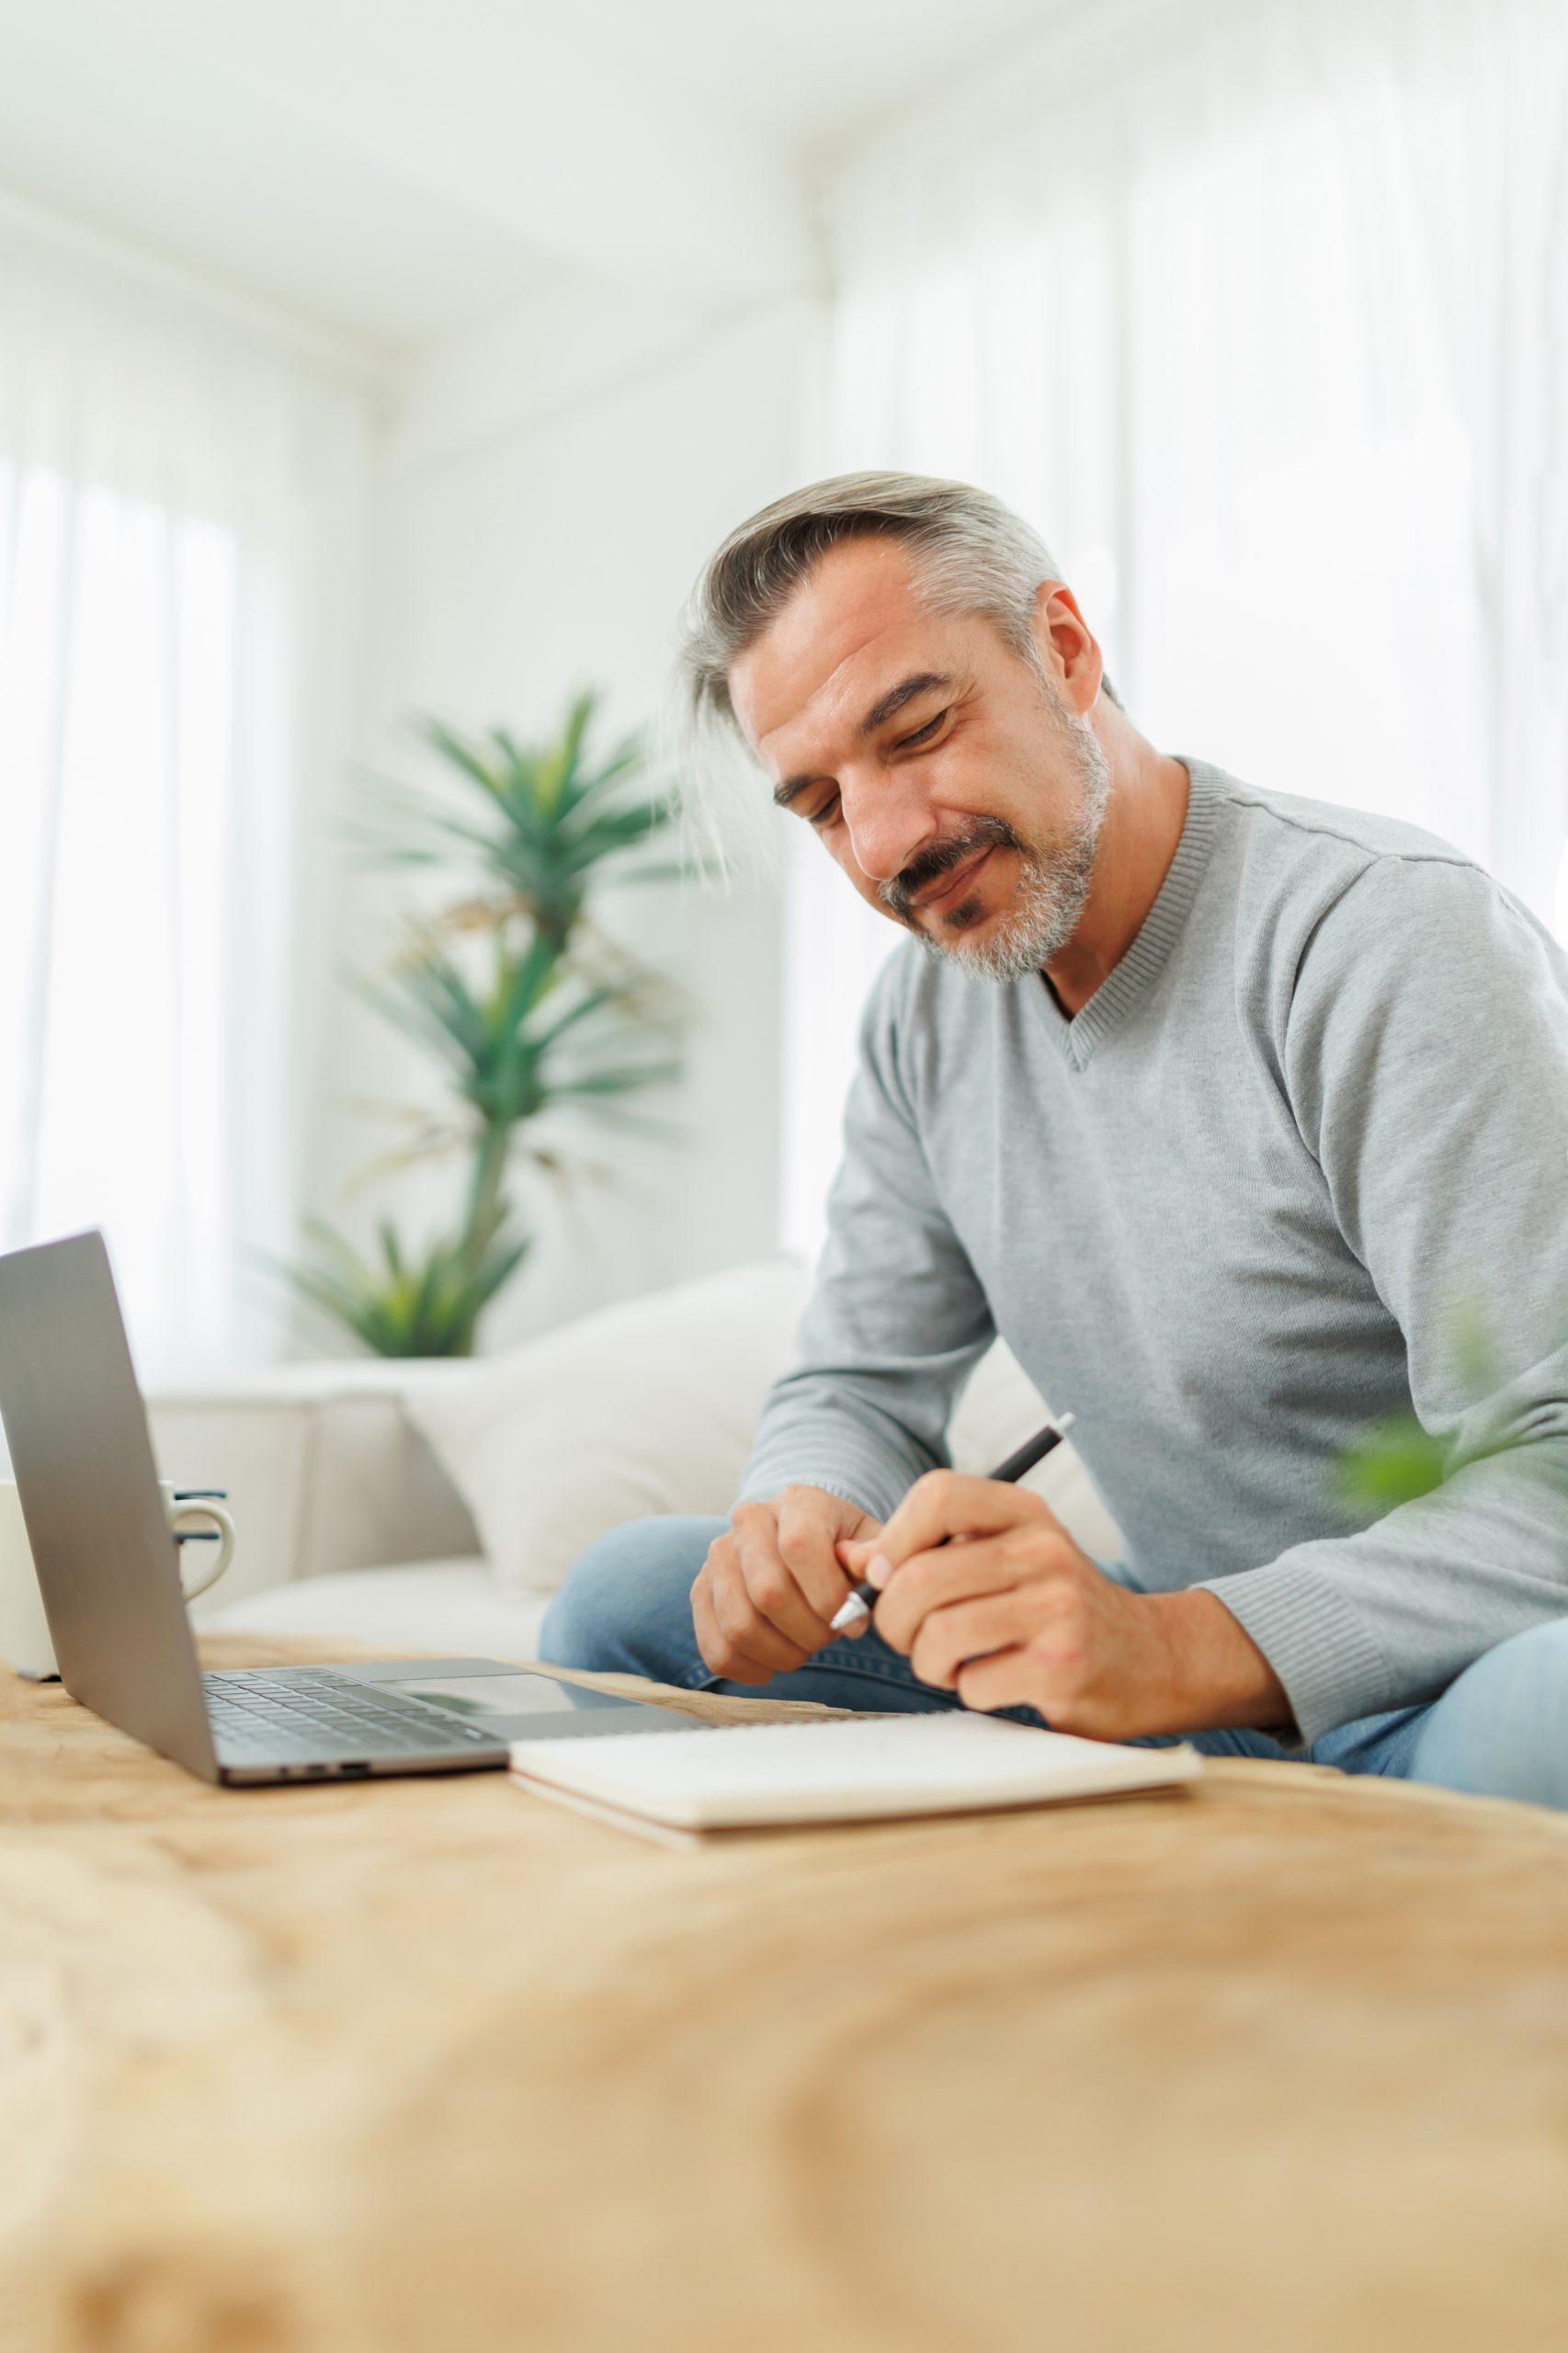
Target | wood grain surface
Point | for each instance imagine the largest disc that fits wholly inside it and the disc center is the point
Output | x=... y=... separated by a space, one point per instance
x=430 y=2066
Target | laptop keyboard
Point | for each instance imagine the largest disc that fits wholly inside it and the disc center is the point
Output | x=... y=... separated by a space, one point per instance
x=273 y=1716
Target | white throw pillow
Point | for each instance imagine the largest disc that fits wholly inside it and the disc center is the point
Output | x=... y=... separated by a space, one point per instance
x=650 y=1406
x=998 y=1410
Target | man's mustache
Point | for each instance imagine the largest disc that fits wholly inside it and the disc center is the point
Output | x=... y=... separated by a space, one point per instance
x=941 y=858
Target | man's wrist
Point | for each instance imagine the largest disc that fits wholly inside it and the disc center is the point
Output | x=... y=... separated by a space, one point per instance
x=1216 y=1675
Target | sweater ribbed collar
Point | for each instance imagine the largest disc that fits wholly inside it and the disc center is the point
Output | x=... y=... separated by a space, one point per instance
x=1146 y=956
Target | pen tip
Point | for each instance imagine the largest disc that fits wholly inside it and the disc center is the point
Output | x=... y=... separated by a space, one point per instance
x=1064 y=1422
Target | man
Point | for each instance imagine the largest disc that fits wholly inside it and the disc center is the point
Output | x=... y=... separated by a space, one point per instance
x=1218 y=1106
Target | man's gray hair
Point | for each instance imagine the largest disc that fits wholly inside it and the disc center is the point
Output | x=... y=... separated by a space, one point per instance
x=974 y=555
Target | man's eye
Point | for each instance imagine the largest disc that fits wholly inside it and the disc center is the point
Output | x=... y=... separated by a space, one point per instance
x=922 y=735
x=820 y=817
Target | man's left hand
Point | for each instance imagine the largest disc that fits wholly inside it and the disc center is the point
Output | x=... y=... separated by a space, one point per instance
x=986 y=1595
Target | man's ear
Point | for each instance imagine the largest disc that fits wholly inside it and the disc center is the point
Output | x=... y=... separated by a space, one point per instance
x=1067 y=645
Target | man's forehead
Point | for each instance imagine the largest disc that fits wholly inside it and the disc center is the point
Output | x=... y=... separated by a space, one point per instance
x=852 y=629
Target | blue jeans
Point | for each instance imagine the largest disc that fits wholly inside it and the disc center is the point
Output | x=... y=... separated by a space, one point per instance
x=1499 y=1730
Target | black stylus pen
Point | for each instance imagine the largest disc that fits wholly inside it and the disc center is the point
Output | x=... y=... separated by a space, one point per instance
x=863 y=1600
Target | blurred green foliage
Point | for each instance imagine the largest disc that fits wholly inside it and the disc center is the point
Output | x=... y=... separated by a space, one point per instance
x=1397 y=1458
x=1391 y=1462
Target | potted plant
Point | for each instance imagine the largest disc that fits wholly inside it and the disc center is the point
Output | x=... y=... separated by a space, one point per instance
x=526 y=1005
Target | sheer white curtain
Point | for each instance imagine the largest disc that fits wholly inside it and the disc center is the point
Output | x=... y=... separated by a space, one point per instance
x=1260 y=312
x=179 y=517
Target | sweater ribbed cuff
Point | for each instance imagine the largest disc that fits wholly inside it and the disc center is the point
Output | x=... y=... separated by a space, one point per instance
x=864 y=1479
x=1332 y=1667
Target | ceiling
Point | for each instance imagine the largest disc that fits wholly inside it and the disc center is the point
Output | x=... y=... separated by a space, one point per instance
x=401 y=170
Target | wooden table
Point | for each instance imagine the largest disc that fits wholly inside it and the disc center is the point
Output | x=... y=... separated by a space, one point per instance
x=433 y=2067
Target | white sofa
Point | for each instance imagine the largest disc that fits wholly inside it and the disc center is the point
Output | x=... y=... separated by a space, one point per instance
x=350 y=1528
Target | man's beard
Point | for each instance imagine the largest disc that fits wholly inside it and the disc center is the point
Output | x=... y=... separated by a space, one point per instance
x=1052 y=885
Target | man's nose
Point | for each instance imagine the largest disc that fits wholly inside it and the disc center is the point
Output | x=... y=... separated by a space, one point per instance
x=887 y=823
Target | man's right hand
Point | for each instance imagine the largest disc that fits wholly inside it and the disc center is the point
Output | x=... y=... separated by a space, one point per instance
x=764 y=1595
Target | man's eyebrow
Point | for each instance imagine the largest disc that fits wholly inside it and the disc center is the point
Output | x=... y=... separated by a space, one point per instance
x=785 y=795
x=896 y=697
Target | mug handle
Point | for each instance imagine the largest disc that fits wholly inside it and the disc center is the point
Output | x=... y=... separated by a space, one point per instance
x=211 y=1511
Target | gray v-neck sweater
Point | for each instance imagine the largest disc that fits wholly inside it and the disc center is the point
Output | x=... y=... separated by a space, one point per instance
x=1233 y=1211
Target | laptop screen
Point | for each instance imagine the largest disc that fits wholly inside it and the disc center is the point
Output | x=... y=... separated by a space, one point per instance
x=107 y=1566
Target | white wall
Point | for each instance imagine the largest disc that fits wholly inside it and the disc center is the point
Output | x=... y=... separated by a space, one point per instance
x=547 y=495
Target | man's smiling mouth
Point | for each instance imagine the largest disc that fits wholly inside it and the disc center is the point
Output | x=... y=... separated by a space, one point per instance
x=952 y=886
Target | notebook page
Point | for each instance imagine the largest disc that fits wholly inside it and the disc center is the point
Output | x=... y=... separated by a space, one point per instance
x=836 y=1770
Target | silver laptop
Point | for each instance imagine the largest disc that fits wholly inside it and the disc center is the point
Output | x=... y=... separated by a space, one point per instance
x=108 y=1572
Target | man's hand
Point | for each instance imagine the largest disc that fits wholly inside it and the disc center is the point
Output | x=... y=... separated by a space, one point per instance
x=764 y=1595
x=988 y=1595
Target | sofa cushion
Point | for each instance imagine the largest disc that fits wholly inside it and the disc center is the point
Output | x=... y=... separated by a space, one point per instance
x=998 y=1410
x=444 y=1608
x=646 y=1407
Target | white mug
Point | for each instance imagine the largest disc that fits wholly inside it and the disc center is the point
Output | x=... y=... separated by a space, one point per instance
x=24 y=1629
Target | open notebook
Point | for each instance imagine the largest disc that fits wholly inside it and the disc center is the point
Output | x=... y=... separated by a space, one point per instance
x=673 y=1787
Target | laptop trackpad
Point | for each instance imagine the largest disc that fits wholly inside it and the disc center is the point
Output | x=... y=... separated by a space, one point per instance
x=515 y=1704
